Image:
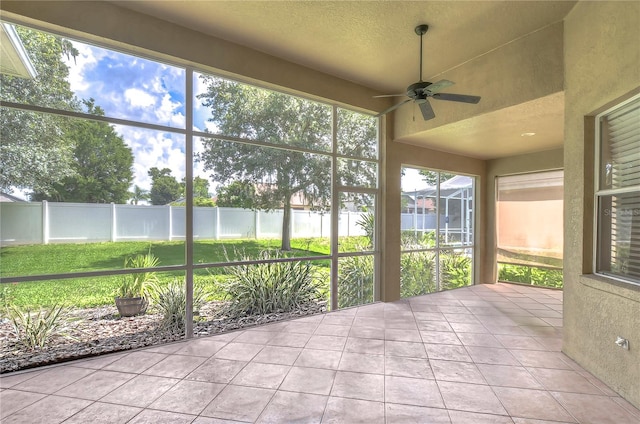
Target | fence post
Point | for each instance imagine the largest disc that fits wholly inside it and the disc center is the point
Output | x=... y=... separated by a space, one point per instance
x=217 y=226
x=170 y=223
x=45 y=222
x=256 y=217
x=114 y=228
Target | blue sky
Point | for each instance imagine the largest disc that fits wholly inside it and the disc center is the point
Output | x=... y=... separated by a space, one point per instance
x=138 y=89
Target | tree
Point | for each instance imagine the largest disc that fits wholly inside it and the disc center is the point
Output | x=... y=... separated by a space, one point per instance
x=431 y=177
x=164 y=187
x=238 y=194
x=249 y=112
x=34 y=151
x=200 y=188
x=138 y=194
x=102 y=164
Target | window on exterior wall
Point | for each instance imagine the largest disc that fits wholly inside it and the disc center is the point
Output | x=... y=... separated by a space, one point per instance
x=530 y=228
x=618 y=192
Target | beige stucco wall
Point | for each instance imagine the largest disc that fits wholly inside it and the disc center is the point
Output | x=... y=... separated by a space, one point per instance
x=397 y=155
x=602 y=64
x=540 y=161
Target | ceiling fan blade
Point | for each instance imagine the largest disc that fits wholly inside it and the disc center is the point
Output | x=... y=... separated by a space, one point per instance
x=464 y=98
x=394 y=107
x=439 y=86
x=427 y=110
x=390 y=95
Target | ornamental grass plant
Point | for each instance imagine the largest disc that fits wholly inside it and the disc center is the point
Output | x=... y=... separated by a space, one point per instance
x=34 y=329
x=258 y=289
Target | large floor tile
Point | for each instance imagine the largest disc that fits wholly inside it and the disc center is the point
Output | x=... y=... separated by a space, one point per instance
x=508 y=376
x=400 y=366
x=216 y=370
x=564 y=381
x=407 y=349
x=591 y=409
x=278 y=355
x=462 y=417
x=447 y=352
x=536 y=404
x=463 y=372
x=12 y=401
x=294 y=408
x=53 y=379
x=188 y=397
x=353 y=411
x=96 y=385
x=239 y=351
x=412 y=391
x=309 y=380
x=136 y=362
x=256 y=374
x=239 y=403
x=362 y=362
x=51 y=409
x=358 y=386
x=151 y=416
x=140 y=391
x=370 y=346
x=470 y=398
x=104 y=413
x=314 y=358
x=411 y=414
x=176 y=366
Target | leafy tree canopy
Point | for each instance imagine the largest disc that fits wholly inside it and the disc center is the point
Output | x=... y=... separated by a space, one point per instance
x=164 y=187
x=102 y=164
x=243 y=111
x=237 y=194
x=35 y=151
x=431 y=177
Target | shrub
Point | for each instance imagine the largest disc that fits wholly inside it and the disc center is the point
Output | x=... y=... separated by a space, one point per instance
x=455 y=268
x=355 y=280
x=34 y=329
x=171 y=302
x=530 y=275
x=270 y=287
x=417 y=273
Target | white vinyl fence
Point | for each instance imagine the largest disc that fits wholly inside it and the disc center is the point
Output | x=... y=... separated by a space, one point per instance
x=49 y=222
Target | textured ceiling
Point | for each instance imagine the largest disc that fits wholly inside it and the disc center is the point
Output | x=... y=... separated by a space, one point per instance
x=373 y=43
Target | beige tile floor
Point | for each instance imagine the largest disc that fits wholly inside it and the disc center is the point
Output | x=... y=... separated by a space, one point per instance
x=483 y=354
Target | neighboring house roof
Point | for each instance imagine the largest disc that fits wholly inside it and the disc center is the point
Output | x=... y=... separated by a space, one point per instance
x=5 y=197
x=13 y=56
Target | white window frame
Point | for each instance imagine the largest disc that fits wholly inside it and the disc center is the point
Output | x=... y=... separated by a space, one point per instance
x=604 y=192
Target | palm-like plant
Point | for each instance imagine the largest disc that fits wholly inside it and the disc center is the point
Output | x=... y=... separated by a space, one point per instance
x=138 y=194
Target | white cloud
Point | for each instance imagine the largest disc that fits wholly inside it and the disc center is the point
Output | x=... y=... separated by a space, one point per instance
x=86 y=59
x=139 y=98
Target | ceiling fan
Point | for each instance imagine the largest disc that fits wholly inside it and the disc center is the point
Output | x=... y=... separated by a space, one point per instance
x=422 y=90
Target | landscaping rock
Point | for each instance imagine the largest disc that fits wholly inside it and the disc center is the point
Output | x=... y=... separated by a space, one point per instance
x=91 y=332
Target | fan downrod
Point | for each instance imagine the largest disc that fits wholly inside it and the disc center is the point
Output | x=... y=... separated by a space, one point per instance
x=422 y=29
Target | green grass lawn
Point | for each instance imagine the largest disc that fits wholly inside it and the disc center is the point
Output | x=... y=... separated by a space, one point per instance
x=96 y=291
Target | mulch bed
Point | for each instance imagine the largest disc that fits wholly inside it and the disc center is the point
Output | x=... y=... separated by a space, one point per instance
x=95 y=331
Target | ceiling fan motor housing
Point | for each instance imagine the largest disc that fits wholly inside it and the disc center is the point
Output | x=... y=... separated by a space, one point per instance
x=417 y=90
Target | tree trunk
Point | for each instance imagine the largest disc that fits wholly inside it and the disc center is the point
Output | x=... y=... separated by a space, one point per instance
x=286 y=226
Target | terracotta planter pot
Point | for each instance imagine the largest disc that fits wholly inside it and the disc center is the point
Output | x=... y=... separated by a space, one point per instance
x=131 y=306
